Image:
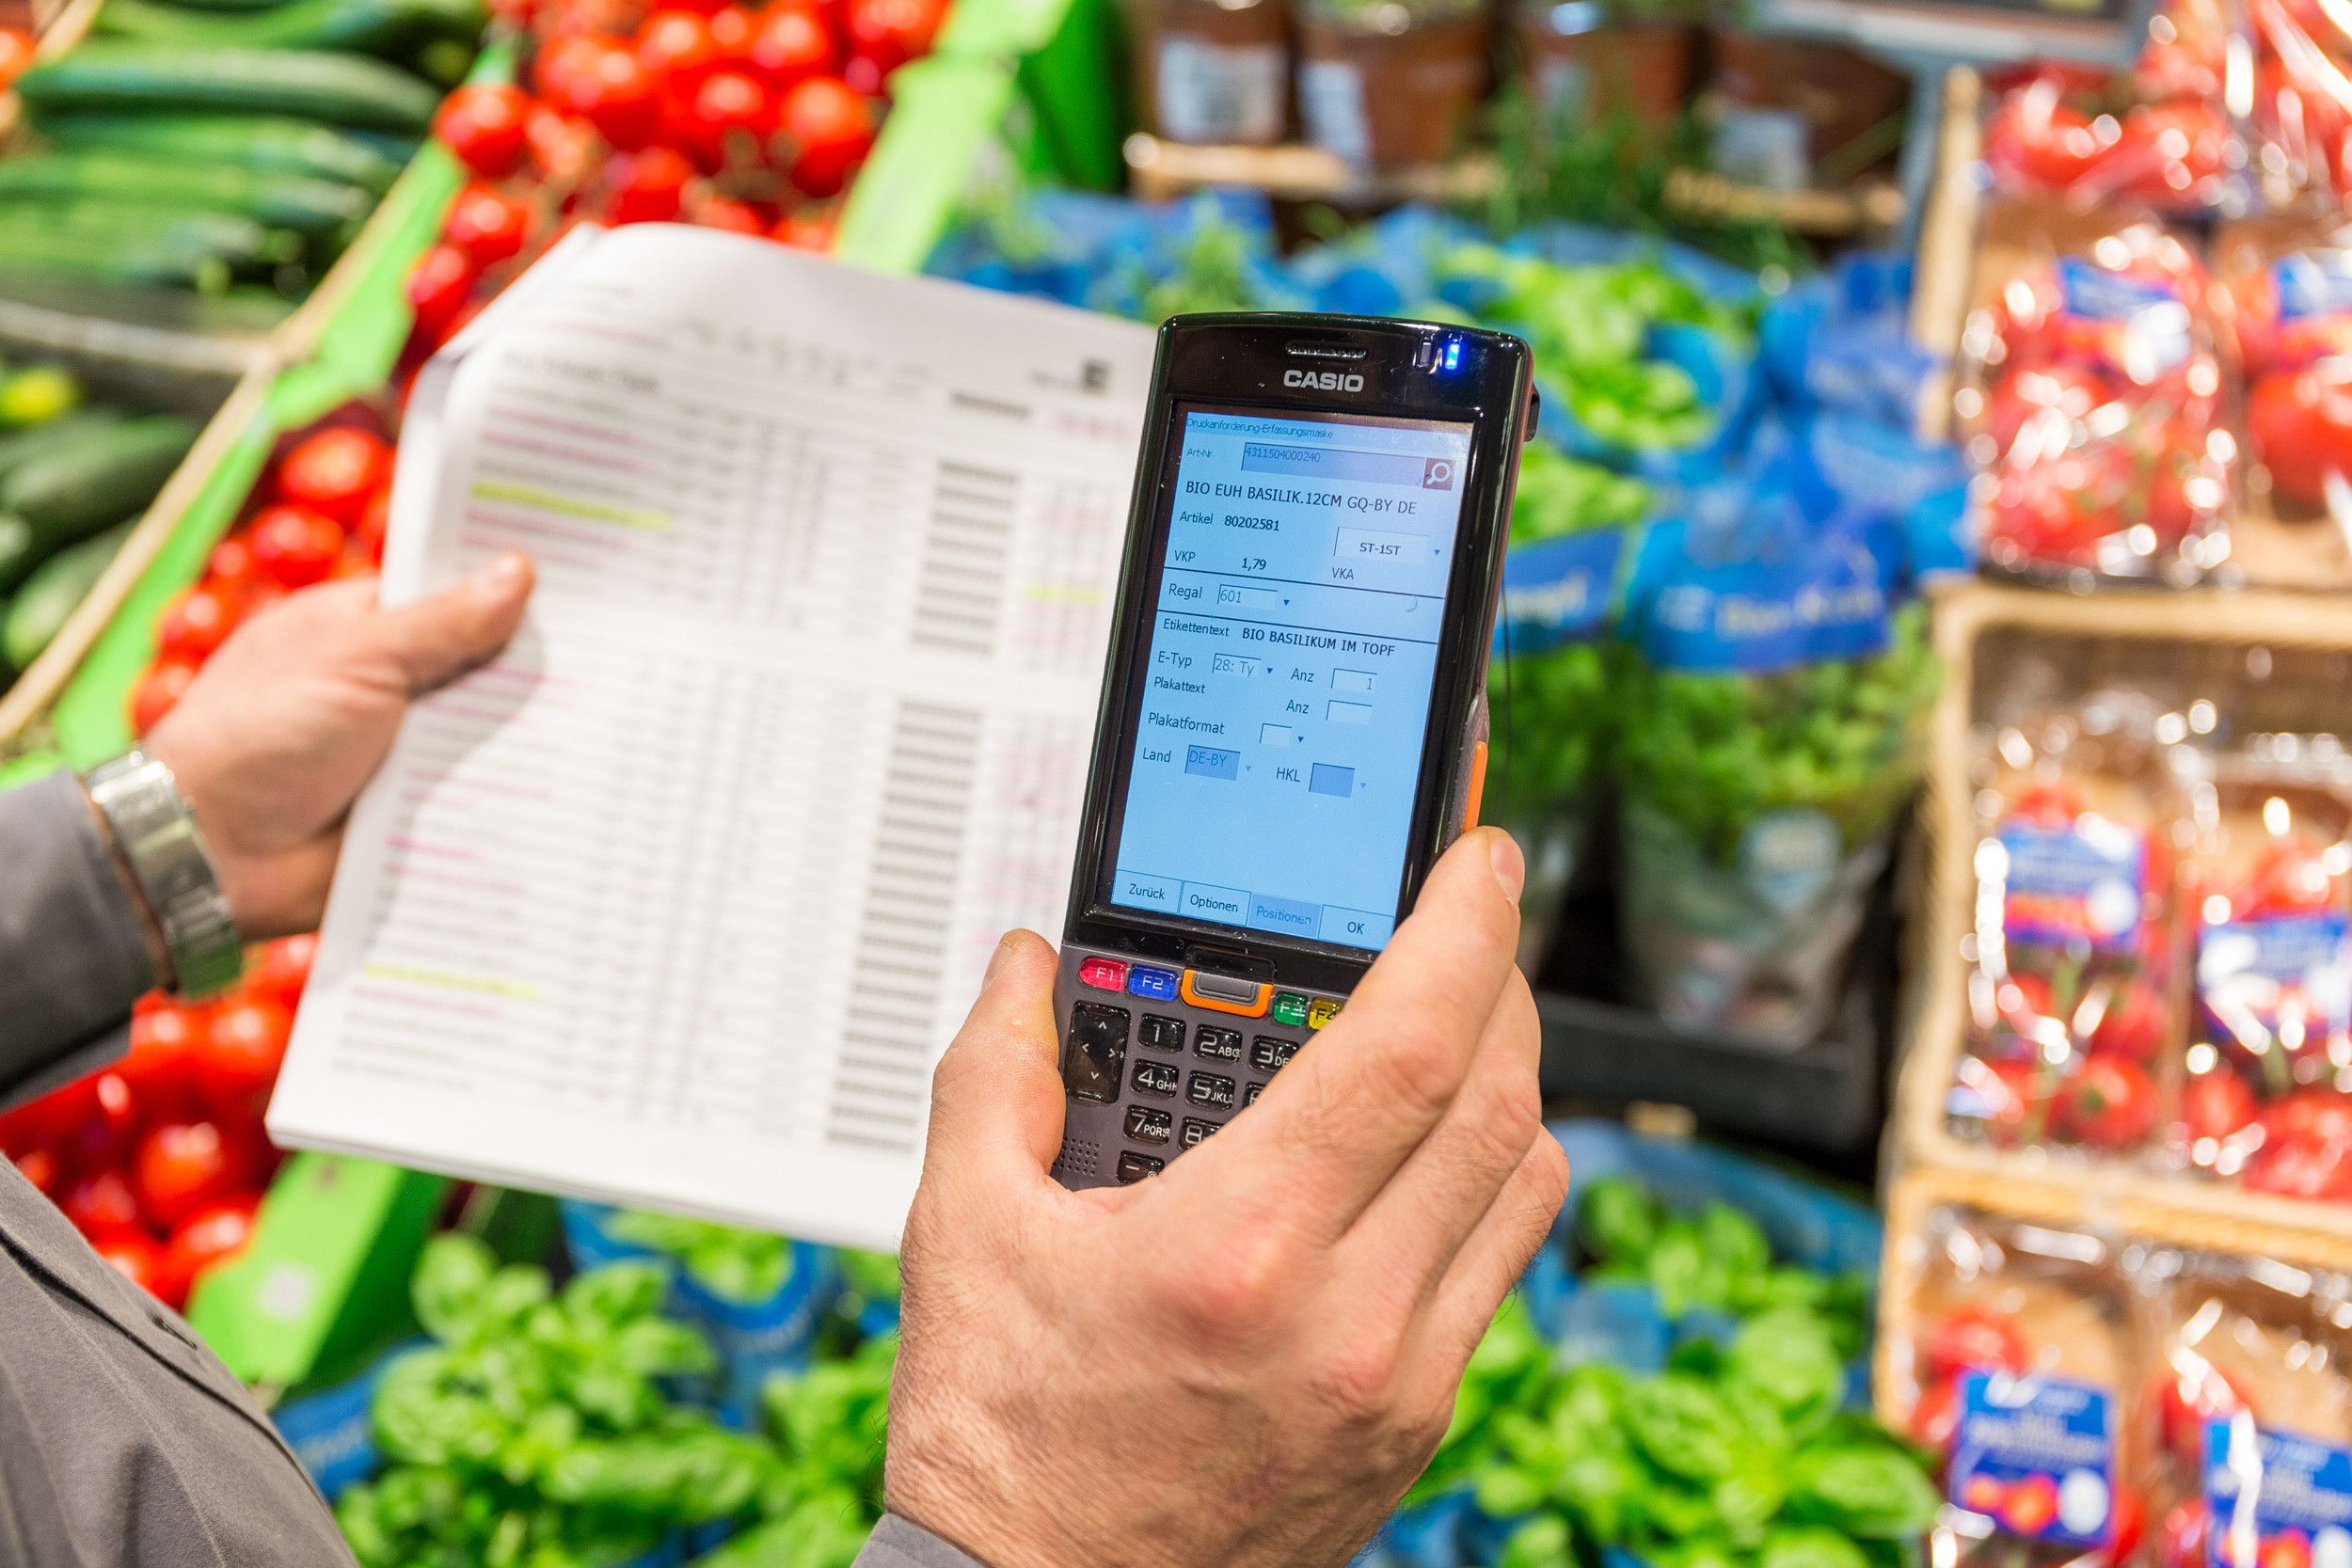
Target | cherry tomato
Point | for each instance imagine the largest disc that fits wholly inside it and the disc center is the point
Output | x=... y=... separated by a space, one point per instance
x=211 y=1236
x=242 y=1049
x=2301 y=429
x=367 y=536
x=2016 y=1097
x=335 y=472
x=565 y=146
x=184 y=1165
x=731 y=28
x=231 y=564
x=105 y=1120
x=483 y=123
x=2168 y=152
x=2038 y=140
x=198 y=621
x=294 y=545
x=790 y=43
x=829 y=128
x=677 y=49
x=16 y=52
x=889 y=33
x=615 y=92
x=135 y=1258
x=101 y=1203
x=2031 y=395
x=2136 y=1022
x=2300 y=1165
x=2218 y=1105
x=648 y=187
x=2323 y=1113
x=282 y=969
x=438 y=289
x=158 y=692
x=42 y=1169
x=1973 y=1339
x=562 y=63
x=161 y=1065
x=808 y=228
x=725 y=115
x=487 y=226
x=737 y=217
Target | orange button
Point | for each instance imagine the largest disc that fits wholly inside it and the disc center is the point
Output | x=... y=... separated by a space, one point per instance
x=1477 y=787
x=1254 y=1005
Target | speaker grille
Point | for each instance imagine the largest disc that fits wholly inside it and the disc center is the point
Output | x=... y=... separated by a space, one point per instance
x=1079 y=1157
x=1307 y=348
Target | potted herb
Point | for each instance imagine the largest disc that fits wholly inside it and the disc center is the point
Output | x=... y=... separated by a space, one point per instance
x=1214 y=72
x=1386 y=84
x=1589 y=61
x=1792 y=113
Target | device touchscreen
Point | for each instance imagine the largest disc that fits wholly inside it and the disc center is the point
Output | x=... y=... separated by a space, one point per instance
x=1285 y=698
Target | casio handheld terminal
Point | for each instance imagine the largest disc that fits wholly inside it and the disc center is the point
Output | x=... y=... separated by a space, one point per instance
x=1292 y=725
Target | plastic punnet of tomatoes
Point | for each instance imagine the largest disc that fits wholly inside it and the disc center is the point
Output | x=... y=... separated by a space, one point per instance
x=2302 y=52
x=2013 y=1363
x=2245 y=1413
x=2074 y=989
x=2157 y=134
x=2091 y=403
x=2267 y=1096
x=2283 y=299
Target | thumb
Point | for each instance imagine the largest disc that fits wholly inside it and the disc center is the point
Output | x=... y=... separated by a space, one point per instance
x=436 y=640
x=997 y=1094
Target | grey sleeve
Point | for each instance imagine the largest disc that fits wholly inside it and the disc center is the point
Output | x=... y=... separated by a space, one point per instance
x=899 y=1544
x=73 y=953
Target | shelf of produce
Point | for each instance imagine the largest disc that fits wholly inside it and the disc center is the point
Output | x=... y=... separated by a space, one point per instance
x=1160 y=170
x=2139 y=631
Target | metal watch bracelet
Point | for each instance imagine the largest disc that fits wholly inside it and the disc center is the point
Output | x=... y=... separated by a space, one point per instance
x=156 y=835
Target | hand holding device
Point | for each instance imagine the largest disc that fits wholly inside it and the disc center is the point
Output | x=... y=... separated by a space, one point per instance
x=1245 y=1362
x=288 y=722
x=1294 y=721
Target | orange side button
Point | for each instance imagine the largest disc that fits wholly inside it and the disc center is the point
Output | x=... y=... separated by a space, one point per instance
x=1477 y=793
x=1243 y=998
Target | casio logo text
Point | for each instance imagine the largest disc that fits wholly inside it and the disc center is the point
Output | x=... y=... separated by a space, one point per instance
x=1329 y=381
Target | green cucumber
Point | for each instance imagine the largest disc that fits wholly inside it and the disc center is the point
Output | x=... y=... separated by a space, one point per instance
x=240 y=243
x=51 y=594
x=279 y=200
x=106 y=475
x=20 y=447
x=336 y=90
x=365 y=26
x=263 y=144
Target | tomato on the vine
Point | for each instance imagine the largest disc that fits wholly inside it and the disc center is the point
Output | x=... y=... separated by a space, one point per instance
x=611 y=87
x=158 y=692
x=2109 y=1103
x=2136 y=1022
x=2219 y=1105
x=483 y=123
x=790 y=43
x=727 y=110
x=335 y=472
x=648 y=187
x=487 y=225
x=197 y=621
x=102 y=1202
x=181 y=1166
x=211 y=1235
x=677 y=49
x=889 y=33
x=243 y=1051
x=438 y=289
x=161 y=1065
x=294 y=545
x=2036 y=136
x=282 y=969
x=725 y=212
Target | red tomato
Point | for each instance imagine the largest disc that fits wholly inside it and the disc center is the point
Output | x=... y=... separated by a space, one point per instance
x=242 y=1049
x=487 y=226
x=296 y=547
x=2301 y=428
x=809 y=229
x=2134 y=1024
x=367 y=537
x=337 y=471
x=16 y=52
x=2182 y=1398
x=1936 y=1416
x=2015 y=1094
x=198 y=621
x=105 y=1120
x=2324 y=1114
x=211 y=1235
x=160 y=1065
x=790 y=43
x=737 y=217
x=2109 y=1103
x=616 y=93
x=2300 y=1165
x=2047 y=399
x=136 y=1258
x=565 y=146
x=282 y=969
x=731 y=28
x=648 y=187
x=2038 y=140
x=483 y=123
x=2055 y=513
x=2168 y=152
x=677 y=49
x=41 y=1167
x=829 y=128
x=2218 y=1105
x=724 y=117
x=1975 y=1339
x=231 y=564
x=889 y=33
x=2031 y=1504
x=102 y=1202
x=158 y=692
x=438 y=289
x=184 y=1165
x=564 y=63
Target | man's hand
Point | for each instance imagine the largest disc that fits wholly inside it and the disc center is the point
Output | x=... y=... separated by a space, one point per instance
x=273 y=741
x=1246 y=1360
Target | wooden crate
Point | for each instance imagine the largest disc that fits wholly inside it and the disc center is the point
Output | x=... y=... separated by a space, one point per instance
x=2090 y=640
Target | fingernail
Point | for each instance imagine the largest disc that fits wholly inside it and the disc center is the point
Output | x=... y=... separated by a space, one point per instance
x=1510 y=865
x=506 y=571
x=996 y=961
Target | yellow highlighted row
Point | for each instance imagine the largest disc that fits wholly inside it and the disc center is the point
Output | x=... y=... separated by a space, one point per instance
x=491 y=985
x=569 y=506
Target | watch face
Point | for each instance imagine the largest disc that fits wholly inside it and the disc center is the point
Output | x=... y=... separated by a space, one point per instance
x=156 y=836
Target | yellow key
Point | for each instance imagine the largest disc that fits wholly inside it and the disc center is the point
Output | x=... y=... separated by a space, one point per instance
x=1321 y=1011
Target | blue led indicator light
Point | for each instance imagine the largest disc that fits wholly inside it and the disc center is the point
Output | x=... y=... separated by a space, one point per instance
x=1454 y=354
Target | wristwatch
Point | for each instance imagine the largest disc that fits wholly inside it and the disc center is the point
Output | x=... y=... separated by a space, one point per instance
x=156 y=835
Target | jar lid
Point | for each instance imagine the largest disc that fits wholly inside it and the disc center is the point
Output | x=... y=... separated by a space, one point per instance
x=1568 y=18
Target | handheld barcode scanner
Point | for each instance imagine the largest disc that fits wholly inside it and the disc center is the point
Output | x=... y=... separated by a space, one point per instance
x=1292 y=725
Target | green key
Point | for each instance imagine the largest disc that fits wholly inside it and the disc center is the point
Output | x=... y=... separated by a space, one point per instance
x=1290 y=1009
